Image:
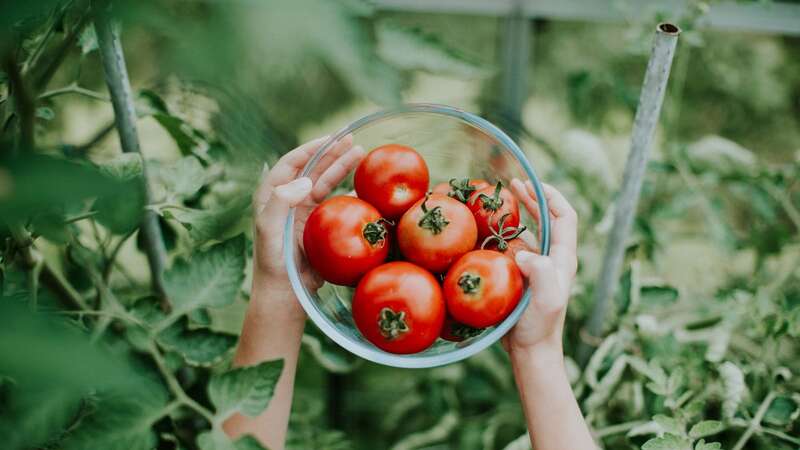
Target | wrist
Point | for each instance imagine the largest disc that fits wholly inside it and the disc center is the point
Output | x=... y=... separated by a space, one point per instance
x=543 y=356
x=273 y=299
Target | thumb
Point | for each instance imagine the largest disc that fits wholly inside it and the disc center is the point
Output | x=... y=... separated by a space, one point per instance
x=541 y=274
x=270 y=220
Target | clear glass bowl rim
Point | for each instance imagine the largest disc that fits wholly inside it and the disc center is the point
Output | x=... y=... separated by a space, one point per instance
x=366 y=350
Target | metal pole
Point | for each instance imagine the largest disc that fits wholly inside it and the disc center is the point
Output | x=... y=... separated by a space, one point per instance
x=644 y=125
x=116 y=74
x=515 y=50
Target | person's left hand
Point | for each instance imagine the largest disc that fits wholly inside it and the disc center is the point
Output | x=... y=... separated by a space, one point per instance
x=281 y=190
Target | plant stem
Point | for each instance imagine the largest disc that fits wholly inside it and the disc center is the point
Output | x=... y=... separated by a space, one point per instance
x=755 y=423
x=644 y=126
x=74 y=89
x=618 y=428
x=125 y=117
x=43 y=73
x=781 y=435
x=78 y=217
x=109 y=263
x=173 y=384
x=23 y=102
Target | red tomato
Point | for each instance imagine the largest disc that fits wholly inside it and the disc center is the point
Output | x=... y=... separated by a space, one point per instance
x=391 y=178
x=482 y=288
x=344 y=237
x=399 y=307
x=436 y=231
x=460 y=189
x=489 y=205
x=457 y=332
x=506 y=239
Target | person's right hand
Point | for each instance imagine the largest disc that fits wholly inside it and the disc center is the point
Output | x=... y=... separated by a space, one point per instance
x=281 y=190
x=550 y=277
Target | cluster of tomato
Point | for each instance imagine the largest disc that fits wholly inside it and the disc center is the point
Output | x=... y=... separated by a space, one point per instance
x=425 y=264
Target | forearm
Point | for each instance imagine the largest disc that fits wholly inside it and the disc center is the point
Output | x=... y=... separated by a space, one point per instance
x=555 y=421
x=270 y=331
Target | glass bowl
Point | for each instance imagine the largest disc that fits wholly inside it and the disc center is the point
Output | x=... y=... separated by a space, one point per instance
x=455 y=144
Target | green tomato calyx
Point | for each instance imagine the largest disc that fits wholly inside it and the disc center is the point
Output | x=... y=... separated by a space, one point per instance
x=392 y=324
x=432 y=219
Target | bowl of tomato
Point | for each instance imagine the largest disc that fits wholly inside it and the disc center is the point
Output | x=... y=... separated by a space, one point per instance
x=416 y=246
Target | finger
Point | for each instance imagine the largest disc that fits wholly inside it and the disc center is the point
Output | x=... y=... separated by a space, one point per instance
x=289 y=166
x=336 y=173
x=527 y=200
x=564 y=229
x=270 y=221
x=542 y=276
x=285 y=170
x=331 y=156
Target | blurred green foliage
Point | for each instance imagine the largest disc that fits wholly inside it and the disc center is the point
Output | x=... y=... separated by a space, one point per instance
x=701 y=350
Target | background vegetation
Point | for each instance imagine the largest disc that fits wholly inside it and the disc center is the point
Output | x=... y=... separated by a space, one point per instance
x=701 y=350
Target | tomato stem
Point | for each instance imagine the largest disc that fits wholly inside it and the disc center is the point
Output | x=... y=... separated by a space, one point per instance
x=469 y=283
x=392 y=324
x=503 y=234
x=375 y=232
x=432 y=219
x=460 y=190
x=493 y=202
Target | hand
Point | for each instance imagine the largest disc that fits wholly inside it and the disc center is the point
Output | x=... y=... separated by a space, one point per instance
x=281 y=190
x=550 y=277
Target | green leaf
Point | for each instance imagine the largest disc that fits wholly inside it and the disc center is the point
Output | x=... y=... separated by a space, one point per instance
x=669 y=424
x=412 y=49
x=121 y=212
x=206 y=225
x=51 y=226
x=667 y=442
x=200 y=347
x=246 y=390
x=88 y=40
x=36 y=183
x=782 y=411
x=705 y=428
x=177 y=180
x=120 y=421
x=211 y=279
x=703 y=445
x=658 y=296
x=185 y=136
x=45 y=113
x=217 y=440
x=29 y=418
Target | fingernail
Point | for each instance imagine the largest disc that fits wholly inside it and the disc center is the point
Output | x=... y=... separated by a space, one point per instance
x=264 y=170
x=523 y=257
x=294 y=187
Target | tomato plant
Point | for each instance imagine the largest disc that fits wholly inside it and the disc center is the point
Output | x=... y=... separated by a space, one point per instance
x=460 y=189
x=344 y=237
x=482 y=288
x=436 y=231
x=392 y=178
x=399 y=307
x=489 y=205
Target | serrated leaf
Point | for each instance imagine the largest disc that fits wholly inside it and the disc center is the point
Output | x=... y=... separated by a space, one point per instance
x=703 y=445
x=45 y=113
x=667 y=442
x=177 y=180
x=123 y=167
x=206 y=225
x=121 y=212
x=705 y=428
x=669 y=424
x=211 y=279
x=200 y=347
x=187 y=138
x=412 y=49
x=30 y=418
x=246 y=390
